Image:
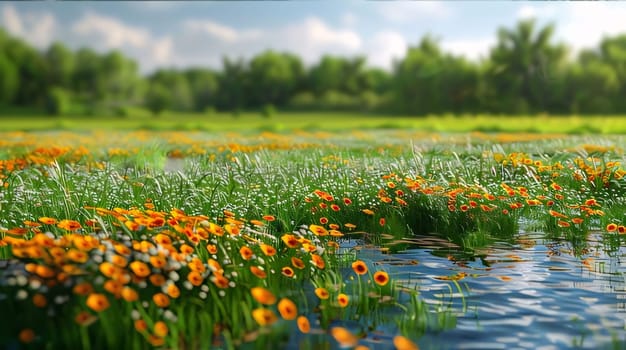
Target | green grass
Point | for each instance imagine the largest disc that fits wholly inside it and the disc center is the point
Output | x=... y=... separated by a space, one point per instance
x=380 y=186
x=286 y=121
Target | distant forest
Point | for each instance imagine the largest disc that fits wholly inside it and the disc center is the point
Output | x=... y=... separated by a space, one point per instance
x=526 y=72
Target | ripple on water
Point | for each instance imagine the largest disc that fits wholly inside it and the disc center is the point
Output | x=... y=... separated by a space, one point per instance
x=531 y=296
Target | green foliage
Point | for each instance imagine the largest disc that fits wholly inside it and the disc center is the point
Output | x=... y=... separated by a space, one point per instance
x=526 y=72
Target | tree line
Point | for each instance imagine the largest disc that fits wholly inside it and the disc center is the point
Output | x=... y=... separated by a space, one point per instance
x=526 y=72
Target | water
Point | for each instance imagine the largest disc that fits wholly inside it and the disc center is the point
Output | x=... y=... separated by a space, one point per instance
x=534 y=293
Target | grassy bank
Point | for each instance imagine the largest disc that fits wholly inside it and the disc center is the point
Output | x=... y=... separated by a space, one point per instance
x=240 y=240
x=286 y=121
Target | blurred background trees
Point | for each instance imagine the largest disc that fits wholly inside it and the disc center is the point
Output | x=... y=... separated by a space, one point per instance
x=526 y=72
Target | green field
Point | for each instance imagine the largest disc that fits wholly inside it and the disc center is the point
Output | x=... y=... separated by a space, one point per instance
x=286 y=121
x=245 y=239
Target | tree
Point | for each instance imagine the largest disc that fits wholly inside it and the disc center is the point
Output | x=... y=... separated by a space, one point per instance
x=523 y=68
x=429 y=81
x=60 y=65
x=233 y=81
x=273 y=78
x=204 y=87
x=175 y=84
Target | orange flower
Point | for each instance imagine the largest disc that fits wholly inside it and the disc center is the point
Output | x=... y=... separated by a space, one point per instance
x=173 y=291
x=368 y=211
x=264 y=316
x=140 y=268
x=140 y=325
x=269 y=217
x=335 y=207
x=359 y=267
x=318 y=261
x=621 y=229
x=113 y=287
x=211 y=248
x=287 y=271
x=403 y=343
x=158 y=261
x=322 y=293
x=195 y=278
x=69 y=225
x=48 y=221
x=258 y=272
x=84 y=318
x=219 y=280
x=611 y=227
x=44 y=271
x=303 y=324
x=318 y=230
x=129 y=294
x=382 y=221
x=347 y=201
x=343 y=300
x=26 y=335
x=263 y=296
x=381 y=278
x=349 y=226
x=39 y=300
x=344 y=337
x=157 y=280
x=97 y=302
x=83 y=288
x=118 y=260
x=268 y=250
x=246 y=253
x=577 y=221
x=287 y=309
x=161 y=300
x=160 y=329
x=297 y=263
x=155 y=341
x=290 y=241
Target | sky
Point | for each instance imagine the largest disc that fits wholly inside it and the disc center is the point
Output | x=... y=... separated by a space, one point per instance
x=200 y=33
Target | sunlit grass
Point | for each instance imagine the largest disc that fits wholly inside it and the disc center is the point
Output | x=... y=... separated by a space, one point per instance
x=193 y=240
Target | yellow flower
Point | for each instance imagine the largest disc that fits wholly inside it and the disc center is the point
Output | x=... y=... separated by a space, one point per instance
x=161 y=300
x=343 y=300
x=129 y=294
x=97 y=302
x=322 y=293
x=195 y=278
x=303 y=324
x=359 y=267
x=246 y=253
x=264 y=316
x=263 y=296
x=381 y=278
x=403 y=343
x=160 y=329
x=287 y=309
x=344 y=337
x=140 y=268
x=268 y=249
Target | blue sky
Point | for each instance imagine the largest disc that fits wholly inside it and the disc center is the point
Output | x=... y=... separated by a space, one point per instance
x=181 y=34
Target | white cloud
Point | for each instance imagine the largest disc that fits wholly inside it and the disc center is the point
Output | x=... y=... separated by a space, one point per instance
x=473 y=49
x=205 y=42
x=38 y=28
x=162 y=50
x=407 y=11
x=526 y=11
x=11 y=20
x=384 y=47
x=586 y=23
x=112 y=32
x=349 y=19
x=220 y=31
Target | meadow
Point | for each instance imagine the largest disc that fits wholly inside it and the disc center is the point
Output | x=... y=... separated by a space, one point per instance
x=287 y=235
x=284 y=121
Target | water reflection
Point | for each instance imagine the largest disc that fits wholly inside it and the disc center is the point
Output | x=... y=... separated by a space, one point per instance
x=532 y=293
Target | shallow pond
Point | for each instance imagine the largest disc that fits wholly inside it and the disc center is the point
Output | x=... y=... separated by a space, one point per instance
x=534 y=293
x=530 y=294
